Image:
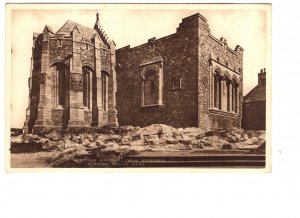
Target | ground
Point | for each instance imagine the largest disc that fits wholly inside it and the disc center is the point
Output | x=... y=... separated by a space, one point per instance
x=152 y=146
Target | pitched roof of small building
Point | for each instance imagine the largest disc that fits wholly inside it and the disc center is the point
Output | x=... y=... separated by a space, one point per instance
x=67 y=28
x=258 y=93
x=84 y=31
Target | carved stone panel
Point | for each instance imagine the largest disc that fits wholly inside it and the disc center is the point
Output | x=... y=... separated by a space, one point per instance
x=76 y=82
x=56 y=115
x=88 y=116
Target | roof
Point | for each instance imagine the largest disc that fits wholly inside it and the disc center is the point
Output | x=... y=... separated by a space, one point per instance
x=49 y=28
x=258 y=93
x=67 y=28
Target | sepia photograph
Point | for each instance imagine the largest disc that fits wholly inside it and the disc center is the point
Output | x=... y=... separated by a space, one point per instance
x=143 y=86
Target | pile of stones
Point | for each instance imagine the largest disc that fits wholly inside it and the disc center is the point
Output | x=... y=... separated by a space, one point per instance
x=156 y=137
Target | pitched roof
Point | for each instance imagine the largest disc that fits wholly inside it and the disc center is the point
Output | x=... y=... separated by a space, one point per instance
x=258 y=93
x=67 y=28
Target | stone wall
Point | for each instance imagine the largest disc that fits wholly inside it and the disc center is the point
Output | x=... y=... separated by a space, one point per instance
x=254 y=115
x=212 y=49
x=105 y=59
x=186 y=55
x=62 y=52
x=37 y=48
x=87 y=54
x=179 y=59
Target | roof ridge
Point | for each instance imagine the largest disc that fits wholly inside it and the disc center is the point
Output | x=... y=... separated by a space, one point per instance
x=62 y=26
x=69 y=25
x=75 y=23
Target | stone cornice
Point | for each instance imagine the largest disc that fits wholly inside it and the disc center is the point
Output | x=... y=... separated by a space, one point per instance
x=222 y=113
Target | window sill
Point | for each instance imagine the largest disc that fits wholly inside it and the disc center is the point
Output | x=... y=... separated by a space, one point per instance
x=176 y=89
x=219 y=112
x=152 y=105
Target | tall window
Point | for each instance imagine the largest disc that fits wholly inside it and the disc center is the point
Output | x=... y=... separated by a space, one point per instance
x=104 y=79
x=151 y=88
x=59 y=42
x=86 y=72
x=61 y=83
x=217 y=91
x=228 y=94
x=234 y=97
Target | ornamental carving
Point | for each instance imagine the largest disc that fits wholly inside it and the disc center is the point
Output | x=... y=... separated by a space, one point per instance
x=88 y=116
x=76 y=82
x=56 y=116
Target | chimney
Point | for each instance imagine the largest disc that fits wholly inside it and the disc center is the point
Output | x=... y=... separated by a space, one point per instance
x=262 y=77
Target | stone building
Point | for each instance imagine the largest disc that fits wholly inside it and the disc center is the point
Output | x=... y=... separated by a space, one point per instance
x=189 y=78
x=254 y=105
x=72 y=80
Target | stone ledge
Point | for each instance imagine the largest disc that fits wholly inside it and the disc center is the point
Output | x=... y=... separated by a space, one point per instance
x=222 y=113
x=152 y=105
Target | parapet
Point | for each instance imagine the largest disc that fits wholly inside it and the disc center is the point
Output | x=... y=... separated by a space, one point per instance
x=193 y=17
x=238 y=48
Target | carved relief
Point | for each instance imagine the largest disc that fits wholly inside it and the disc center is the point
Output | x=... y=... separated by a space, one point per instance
x=88 y=116
x=76 y=82
x=62 y=52
x=56 y=116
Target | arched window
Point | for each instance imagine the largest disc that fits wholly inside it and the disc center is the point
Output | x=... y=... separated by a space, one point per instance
x=234 y=96
x=86 y=77
x=151 y=88
x=217 y=91
x=104 y=80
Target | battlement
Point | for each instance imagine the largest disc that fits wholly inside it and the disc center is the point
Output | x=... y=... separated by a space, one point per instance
x=185 y=21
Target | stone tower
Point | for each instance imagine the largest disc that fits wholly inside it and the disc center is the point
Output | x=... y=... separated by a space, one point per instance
x=72 y=82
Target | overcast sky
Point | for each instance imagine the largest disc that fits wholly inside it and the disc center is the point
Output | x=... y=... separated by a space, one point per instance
x=134 y=25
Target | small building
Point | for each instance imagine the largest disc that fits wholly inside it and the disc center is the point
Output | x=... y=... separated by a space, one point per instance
x=254 y=105
x=186 y=79
x=72 y=80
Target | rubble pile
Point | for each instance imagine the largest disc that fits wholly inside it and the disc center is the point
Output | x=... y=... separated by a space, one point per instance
x=153 y=137
x=116 y=141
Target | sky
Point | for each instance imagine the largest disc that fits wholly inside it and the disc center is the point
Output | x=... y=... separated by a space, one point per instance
x=134 y=25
